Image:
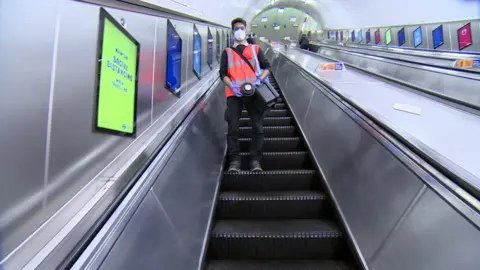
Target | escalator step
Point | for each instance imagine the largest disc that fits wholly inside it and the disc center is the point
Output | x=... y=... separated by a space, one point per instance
x=278 y=265
x=270 y=131
x=282 y=144
x=272 y=205
x=269 y=121
x=296 y=239
x=280 y=106
x=270 y=113
x=280 y=160
x=271 y=180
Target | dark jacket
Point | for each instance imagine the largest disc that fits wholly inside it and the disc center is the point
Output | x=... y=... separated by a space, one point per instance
x=304 y=43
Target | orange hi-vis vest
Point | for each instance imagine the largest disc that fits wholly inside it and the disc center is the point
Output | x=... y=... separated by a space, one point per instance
x=240 y=72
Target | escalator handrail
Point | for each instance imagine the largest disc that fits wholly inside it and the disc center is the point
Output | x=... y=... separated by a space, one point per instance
x=437 y=54
x=465 y=73
x=463 y=105
x=457 y=185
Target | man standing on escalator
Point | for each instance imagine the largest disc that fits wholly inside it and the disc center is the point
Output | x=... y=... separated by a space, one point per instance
x=243 y=63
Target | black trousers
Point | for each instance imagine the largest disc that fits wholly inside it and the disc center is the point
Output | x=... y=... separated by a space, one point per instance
x=234 y=111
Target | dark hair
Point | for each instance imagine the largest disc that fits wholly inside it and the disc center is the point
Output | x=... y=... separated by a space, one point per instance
x=239 y=20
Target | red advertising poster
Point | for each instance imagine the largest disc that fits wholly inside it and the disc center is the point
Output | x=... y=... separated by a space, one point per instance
x=377 y=37
x=341 y=35
x=464 y=36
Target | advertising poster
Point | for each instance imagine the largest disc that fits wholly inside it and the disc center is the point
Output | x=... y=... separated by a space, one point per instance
x=217 y=40
x=417 y=37
x=437 y=35
x=210 y=49
x=117 y=82
x=464 y=34
x=388 y=37
x=197 y=52
x=173 y=76
x=401 y=37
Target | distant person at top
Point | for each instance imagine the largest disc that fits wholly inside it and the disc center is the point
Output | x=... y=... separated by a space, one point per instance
x=235 y=72
x=251 y=39
x=304 y=42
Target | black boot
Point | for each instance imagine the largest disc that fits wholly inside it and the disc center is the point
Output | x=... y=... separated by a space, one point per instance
x=255 y=166
x=234 y=166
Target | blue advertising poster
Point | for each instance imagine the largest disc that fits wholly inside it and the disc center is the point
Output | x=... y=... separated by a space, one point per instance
x=417 y=37
x=476 y=64
x=401 y=37
x=174 y=60
x=210 y=49
x=360 y=36
x=437 y=34
x=353 y=35
x=367 y=36
x=217 y=40
x=197 y=52
x=328 y=34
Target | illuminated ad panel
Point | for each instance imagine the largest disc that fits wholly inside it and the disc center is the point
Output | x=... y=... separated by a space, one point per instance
x=367 y=36
x=173 y=76
x=388 y=37
x=341 y=35
x=377 y=37
x=210 y=49
x=360 y=36
x=464 y=34
x=197 y=52
x=117 y=81
x=401 y=37
x=437 y=35
x=417 y=37
x=353 y=35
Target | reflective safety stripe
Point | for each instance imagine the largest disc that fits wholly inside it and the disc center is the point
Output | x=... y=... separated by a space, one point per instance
x=247 y=80
x=235 y=64
x=256 y=64
x=231 y=63
x=230 y=57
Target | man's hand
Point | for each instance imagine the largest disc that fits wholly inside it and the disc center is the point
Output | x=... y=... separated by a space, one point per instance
x=236 y=89
x=258 y=81
x=264 y=76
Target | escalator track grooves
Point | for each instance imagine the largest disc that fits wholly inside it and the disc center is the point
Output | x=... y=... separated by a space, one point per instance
x=280 y=218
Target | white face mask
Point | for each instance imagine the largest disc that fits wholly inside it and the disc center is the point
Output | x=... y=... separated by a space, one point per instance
x=240 y=35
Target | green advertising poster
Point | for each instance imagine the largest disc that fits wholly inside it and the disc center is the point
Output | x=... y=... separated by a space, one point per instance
x=117 y=78
x=388 y=37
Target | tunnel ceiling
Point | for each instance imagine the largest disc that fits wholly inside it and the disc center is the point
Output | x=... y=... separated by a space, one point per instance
x=335 y=14
x=338 y=14
x=304 y=6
